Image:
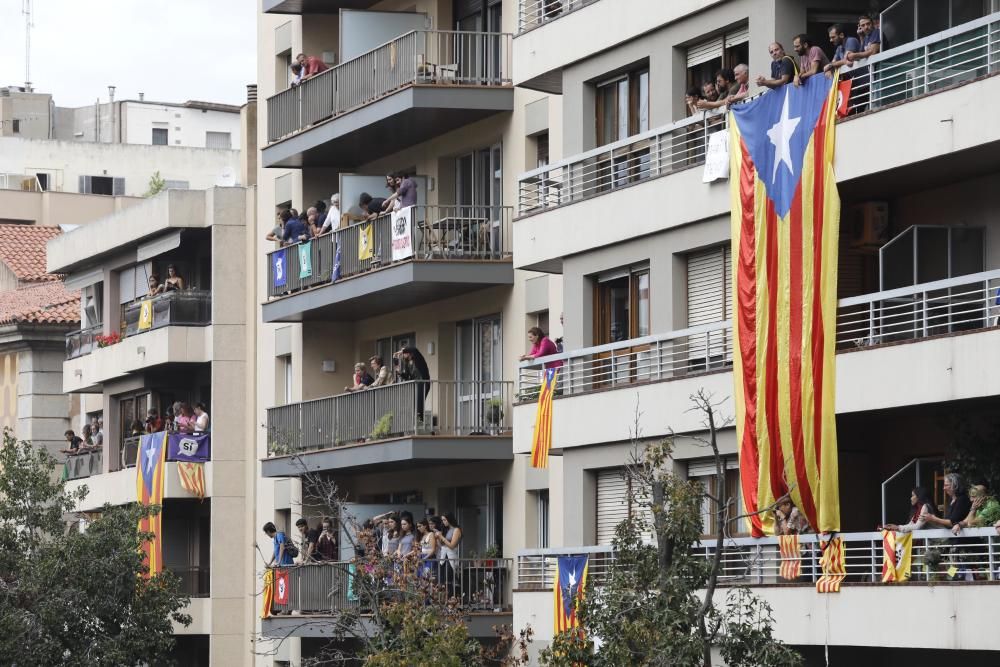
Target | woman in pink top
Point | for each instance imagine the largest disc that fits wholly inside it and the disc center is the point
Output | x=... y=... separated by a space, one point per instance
x=541 y=346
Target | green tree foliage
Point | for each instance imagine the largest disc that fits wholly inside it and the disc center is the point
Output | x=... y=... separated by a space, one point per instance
x=68 y=597
x=157 y=184
x=656 y=605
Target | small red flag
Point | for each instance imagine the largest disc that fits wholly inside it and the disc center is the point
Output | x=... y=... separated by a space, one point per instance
x=843 y=97
x=281 y=587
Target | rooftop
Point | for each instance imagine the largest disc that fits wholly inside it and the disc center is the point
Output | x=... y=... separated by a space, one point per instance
x=22 y=249
x=42 y=303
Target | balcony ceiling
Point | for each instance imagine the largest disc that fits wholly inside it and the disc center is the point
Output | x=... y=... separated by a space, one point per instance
x=405 y=118
x=398 y=454
x=393 y=288
x=314 y=6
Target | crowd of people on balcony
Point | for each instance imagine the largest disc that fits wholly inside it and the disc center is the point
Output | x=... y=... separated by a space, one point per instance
x=407 y=365
x=181 y=417
x=292 y=227
x=91 y=438
x=733 y=85
x=965 y=507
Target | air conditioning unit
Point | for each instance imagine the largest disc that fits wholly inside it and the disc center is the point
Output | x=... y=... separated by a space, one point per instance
x=868 y=225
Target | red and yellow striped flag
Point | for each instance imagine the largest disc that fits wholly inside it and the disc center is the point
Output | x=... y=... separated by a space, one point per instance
x=832 y=566
x=791 y=557
x=897 y=554
x=541 y=440
x=785 y=227
x=267 y=598
x=192 y=476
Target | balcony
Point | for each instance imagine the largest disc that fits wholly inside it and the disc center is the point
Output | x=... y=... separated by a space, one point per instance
x=452 y=250
x=418 y=86
x=184 y=308
x=323 y=589
x=303 y=7
x=801 y=616
x=896 y=94
x=195 y=581
x=533 y=13
x=391 y=427
x=81 y=466
x=876 y=367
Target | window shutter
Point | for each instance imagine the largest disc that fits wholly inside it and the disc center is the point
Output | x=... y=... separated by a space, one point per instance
x=118 y=186
x=84 y=187
x=218 y=140
x=704 y=52
x=709 y=298
x=126 y=285
x=739 y=36
x=706 y=467
x=612 y=503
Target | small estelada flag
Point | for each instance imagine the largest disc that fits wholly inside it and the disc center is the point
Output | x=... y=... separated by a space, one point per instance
x=281 y=587
x=897 y=555
x=843 y=97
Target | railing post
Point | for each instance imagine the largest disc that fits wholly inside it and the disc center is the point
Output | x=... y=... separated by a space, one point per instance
x=924 y=313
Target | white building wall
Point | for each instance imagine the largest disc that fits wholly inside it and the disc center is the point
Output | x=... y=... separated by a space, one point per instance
x=185 y=126
x=66 y=161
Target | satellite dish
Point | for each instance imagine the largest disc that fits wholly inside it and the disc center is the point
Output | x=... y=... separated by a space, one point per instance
x=226 y=179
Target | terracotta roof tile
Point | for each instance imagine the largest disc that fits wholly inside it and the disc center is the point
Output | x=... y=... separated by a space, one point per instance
x=22 y=248
x=42 y=303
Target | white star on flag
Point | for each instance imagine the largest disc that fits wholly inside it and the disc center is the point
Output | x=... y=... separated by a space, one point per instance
x=780 y=135
x=149 y=457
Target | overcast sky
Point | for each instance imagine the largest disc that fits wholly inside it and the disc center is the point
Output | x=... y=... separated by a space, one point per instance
x=171 y=50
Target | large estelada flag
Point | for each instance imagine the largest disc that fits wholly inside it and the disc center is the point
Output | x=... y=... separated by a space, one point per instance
x=149 y=491
x=785 y=228
x=541 y=438
x=571 y=581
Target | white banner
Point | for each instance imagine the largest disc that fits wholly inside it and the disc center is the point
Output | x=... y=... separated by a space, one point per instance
x=402 y=234
x=716 y=157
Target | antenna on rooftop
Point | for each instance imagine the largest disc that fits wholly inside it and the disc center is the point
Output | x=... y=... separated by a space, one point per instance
x=26 y=9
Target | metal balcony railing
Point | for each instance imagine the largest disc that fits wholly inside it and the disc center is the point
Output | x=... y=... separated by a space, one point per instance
x=424 y=57
x=179 y=308
x=453 y=233
x=83 y=342
x=79 y=466
x=195 y=581
x=966 y=303
x=533 y=13
x=747 y=561
x=947 y=58
x=657 y=152
x=24 y=182
x=479 y=584
x=954 y=56
x=397 y=410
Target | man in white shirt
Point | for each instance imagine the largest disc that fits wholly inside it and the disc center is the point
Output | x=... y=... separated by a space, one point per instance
x=332 y=215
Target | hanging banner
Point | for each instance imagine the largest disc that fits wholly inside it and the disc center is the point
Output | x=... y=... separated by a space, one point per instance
x=716 y=158
x=149 y=491
x=281 y=587
x=366 y=242
x=146 y=315
x=832 y=566
x=791 y=557
x=278 y=268
x=305 y=260
x=268 y=594
x=192 y=476
x=402 y=234
x=335 y=274
x=897 y=555
x=785 y=238
x=843 y=97
x=571 y=581
x=541 y=439
x=188 y=447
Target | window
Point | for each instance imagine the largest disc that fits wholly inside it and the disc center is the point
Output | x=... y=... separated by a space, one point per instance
x=542 y=150
x=386 y=347
x=284 y=393
x=16 y=123
x=176 y=185
x=621 y=308
x=709 y=300
x=101 y=185
x=704 y=471
x=43 y=181
x=725 y=50
x=618 y=501
x=133 y=282
x=218 y=140
x=160 y=136
x=622 y=107
x=91 y=305
x=543 y=518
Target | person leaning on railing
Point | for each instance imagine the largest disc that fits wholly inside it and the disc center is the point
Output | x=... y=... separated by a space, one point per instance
x=958 y=506
x=922 y=505
x=174 y=280
x=985 y=510
x=541 y=346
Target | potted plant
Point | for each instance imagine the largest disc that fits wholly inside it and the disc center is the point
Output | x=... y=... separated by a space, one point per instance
x=491 y=556
x=382 y=427
x=107 y=341
x=494 y=411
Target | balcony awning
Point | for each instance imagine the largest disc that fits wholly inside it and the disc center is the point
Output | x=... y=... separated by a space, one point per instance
x=313 y=6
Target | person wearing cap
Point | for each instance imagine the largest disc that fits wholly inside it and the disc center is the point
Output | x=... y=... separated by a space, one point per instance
x=332 y=214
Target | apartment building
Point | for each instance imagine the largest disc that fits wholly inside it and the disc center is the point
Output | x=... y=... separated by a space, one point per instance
x=642 y=245
x=425 y=88
x=132 y=353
